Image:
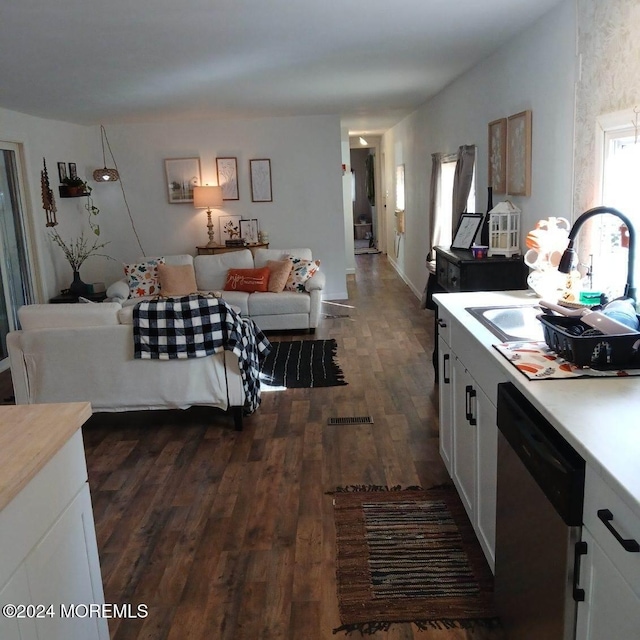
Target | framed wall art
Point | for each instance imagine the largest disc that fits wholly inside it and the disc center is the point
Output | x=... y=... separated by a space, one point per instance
x=62 y=171
x=519 y=154
x=73 y=171
x=227 y=170
x=183 y=174
x=260 y=172
x=498 y=155
x=466 y=232
x=229 y=228
x=249 y=230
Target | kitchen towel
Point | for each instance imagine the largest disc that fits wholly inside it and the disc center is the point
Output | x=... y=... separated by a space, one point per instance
x=537 y=362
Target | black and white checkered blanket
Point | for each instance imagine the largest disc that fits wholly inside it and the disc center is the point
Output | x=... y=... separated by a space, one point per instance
x=196 y=326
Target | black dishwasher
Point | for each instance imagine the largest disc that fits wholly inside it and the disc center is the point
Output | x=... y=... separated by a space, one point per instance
x=540 y=498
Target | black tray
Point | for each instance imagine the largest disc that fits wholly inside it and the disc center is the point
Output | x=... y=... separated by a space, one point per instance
x=562 y=335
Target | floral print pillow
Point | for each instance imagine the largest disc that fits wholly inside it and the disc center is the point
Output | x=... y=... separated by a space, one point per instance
x=301 y=271
x=143 y=278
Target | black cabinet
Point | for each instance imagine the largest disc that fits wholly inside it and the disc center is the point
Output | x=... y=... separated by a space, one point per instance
x=457 y=270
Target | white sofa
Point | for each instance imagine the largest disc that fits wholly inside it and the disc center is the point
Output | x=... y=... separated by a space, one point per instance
x=270 y=311
x=85 y=352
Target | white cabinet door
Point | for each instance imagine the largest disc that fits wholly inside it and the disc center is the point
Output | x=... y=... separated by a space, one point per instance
x=445 y=383
x=475 y=442
x=16 y=591
x=63 y=569
x=611 y=610
x=486 y=461
x=464 y=437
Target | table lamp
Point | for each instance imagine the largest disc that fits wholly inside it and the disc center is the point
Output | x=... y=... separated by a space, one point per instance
x=205 y=198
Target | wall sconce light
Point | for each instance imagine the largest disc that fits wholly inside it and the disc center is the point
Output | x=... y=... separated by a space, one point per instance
x=205 y=198
x=105 y=175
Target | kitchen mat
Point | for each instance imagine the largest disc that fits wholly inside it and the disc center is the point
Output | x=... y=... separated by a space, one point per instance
x=537 y=362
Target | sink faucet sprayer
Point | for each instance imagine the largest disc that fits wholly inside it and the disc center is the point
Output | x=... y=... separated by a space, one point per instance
x=569 y=256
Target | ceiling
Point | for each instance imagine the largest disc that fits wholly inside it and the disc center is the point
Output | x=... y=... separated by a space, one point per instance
x=370 y=61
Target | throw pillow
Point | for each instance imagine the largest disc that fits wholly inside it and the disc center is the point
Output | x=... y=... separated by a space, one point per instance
x=248 y=280
x=301 y=271
x=143 y=278
x=177 y=279
x=279 y=271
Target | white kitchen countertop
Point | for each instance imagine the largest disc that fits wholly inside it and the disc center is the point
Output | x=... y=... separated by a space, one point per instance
x=599 y=417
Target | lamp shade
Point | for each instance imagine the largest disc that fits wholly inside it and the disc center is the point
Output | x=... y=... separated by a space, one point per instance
x=105 y=175
x=207 y=197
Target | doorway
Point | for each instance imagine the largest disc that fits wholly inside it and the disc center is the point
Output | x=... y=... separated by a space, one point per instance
x=16 y=286
x=363 y=198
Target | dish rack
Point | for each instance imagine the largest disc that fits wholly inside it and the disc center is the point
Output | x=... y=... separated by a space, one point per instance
x=584 y=346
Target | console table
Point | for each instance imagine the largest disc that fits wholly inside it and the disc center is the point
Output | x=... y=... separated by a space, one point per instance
x=457 y=270
x=221 y=248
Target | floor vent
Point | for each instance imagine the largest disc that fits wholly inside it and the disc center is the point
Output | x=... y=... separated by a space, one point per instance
x=351 y=420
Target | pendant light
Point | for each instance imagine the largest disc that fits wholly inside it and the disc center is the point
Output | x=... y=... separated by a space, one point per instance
x=105 y=175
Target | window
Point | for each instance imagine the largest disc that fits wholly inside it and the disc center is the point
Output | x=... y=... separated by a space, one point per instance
x=444 y=225
x=604 y=255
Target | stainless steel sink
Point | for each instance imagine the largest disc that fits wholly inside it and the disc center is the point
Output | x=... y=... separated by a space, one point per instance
x=510 y=323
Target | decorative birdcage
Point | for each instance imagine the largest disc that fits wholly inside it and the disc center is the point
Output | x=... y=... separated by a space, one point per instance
x=504 y=230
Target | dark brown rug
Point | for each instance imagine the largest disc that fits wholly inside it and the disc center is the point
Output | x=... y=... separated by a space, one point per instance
x=409 y=556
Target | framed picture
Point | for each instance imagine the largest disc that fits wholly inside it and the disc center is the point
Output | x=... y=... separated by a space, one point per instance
x=182 y=175
x=249 y=230
x=519 y=154
x=498 y=155
x=73 y=172
x=466 y=231
x=229 y=228
x=227 y=170
x=62 y=171
x=260 y=171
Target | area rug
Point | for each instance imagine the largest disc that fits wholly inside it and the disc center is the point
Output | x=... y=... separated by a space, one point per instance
x=409 y=556
x=302 y=364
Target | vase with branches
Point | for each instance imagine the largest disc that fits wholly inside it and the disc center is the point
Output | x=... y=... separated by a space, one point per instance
x=77 y=250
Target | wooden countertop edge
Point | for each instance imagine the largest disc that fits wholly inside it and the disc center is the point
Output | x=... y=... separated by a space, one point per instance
x=30 y=435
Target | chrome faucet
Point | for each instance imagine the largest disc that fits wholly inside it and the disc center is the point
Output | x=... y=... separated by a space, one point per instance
x=569 y=257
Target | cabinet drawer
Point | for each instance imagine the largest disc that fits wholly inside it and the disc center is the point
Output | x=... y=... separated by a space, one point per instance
x=445 y=321
x=453 y=278
x=599 y=497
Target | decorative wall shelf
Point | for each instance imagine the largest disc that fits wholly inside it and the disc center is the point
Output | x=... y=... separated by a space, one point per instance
x=64 y=191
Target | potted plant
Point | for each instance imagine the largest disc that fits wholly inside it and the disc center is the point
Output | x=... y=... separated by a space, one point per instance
x=74 y=186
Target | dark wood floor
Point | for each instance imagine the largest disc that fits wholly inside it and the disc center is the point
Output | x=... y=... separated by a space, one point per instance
x=230 y=536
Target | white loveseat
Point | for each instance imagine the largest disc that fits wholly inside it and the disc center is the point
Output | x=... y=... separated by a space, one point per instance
x=85 y=352
x=270 y=311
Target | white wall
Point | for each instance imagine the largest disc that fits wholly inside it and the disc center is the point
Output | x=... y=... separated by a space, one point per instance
x=534 y=71
x=56 y=142
x=307 y=207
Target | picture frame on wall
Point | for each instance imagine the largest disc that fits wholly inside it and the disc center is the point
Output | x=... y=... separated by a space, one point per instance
x=519 y=154
x=466 y=231
x=249 y=230
x=62 y=171
x=73 y=171
x=498 y=156
x=229 y=228
x=182 y=175
x=227 y=171
x=260 y=175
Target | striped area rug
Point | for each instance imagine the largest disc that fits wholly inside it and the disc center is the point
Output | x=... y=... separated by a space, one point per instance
x=409 y=556
x=302 y=364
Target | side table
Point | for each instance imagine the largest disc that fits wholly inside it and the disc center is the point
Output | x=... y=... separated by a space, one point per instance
x=220 y=248
x=70 y=298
